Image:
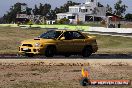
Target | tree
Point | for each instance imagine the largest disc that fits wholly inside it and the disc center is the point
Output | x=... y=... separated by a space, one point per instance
x=51 y=15
x=46 y=9
x=128 y=17
x=11 y=14
x=42 y=9
x=1 y=20
x=57 y=10
x=64 y=21
x=120 y=8
x=109 y=9
x=35 y=10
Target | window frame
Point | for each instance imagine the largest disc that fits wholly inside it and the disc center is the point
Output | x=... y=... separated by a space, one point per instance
x=81 y=36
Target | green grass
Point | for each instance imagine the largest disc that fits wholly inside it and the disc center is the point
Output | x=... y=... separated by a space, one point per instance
x=112 y=44
x=10 y=39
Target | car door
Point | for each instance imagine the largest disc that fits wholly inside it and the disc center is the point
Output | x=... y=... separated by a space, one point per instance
x=78 y=41
x=66 y=45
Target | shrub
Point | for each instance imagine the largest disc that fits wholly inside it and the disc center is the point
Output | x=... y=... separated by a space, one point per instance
x=64 y=21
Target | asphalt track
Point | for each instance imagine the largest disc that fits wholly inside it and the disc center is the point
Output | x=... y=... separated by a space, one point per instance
x=94 y=56
x=67 y=62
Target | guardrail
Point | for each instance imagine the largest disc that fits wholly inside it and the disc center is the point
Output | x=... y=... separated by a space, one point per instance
x=110 y=30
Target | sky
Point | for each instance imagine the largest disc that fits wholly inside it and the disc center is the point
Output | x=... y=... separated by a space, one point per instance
x=6 y=4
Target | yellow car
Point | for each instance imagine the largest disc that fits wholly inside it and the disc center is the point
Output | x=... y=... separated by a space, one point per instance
x=59 y=42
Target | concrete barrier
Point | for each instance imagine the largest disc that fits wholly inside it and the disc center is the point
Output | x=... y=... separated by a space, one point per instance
x=72 y=27
x=77 y=27
x=110 y=30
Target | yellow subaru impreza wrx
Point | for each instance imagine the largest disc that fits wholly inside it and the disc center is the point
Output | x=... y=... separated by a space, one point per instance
x=59 y=42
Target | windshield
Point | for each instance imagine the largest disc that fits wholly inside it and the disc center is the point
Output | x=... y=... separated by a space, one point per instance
x=51 y=35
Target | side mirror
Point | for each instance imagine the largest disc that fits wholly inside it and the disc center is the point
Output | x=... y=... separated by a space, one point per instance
x=62 y=38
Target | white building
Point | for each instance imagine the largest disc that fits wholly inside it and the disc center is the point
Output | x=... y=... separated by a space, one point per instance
x=90 y=11
x=50 y=21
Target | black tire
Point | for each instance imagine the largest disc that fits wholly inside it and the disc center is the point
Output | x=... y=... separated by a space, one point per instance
x=29 y=55
x=87 y=51
x=67 y=55
x=50 y=51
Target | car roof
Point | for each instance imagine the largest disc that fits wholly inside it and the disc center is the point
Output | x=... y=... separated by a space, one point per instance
x=64 y=30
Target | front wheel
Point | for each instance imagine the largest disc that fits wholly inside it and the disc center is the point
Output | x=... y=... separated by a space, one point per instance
x=50 y=52
x=87 y=51
x=29 y=55
x=67 y=55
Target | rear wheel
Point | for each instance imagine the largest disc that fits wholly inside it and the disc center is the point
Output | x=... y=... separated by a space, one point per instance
x=50 y=51
x=87 y=51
